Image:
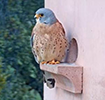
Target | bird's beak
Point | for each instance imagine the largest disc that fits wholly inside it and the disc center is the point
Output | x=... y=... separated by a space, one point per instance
x=37 y=16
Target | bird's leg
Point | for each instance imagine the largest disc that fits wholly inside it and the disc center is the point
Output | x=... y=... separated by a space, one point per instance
x=53 y=62
x=44 y=62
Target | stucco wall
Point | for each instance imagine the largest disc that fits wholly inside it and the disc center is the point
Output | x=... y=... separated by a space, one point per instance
x=85 y=21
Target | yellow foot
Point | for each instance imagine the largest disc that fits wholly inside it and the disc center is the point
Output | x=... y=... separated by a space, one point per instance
x=44 y=62
x=53 y=62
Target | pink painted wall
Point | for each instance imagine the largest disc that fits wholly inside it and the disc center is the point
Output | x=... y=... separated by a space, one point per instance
x=85 y=21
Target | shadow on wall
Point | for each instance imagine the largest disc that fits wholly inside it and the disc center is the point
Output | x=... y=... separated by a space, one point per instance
x=73 y=51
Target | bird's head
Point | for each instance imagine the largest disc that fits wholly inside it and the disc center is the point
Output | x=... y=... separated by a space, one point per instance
x=45 y=16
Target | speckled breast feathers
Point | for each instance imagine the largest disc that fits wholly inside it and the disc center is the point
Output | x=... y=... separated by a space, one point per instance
x=48 y=42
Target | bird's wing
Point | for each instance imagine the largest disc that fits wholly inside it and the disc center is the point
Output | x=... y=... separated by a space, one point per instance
x=62 y=32
x=62 y=29
x=32 y=43
x=32 y=37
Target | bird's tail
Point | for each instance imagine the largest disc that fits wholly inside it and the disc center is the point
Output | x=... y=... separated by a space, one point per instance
x=49 y=80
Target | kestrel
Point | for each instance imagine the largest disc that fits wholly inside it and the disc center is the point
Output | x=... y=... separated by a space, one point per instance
x=48 y=40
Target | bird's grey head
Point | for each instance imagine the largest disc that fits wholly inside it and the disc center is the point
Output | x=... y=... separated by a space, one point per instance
x=45 y=16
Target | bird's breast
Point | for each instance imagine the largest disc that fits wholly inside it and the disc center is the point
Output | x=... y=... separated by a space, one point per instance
x=47 y=36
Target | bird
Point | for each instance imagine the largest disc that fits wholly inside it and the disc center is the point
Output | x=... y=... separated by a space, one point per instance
x=48 y=41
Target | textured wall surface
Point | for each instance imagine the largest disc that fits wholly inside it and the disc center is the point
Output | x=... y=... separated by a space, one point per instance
x=83 y=20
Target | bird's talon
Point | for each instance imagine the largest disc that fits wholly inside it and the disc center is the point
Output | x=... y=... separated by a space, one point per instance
x=57 y=62
x=44 y=62
x=53 y=62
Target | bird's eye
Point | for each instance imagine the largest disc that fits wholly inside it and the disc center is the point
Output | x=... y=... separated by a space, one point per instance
x=42 y=15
